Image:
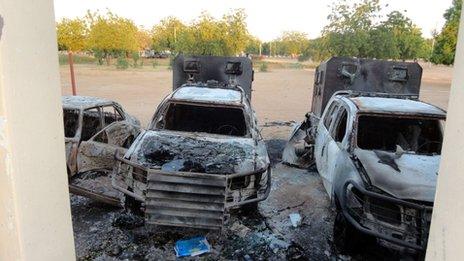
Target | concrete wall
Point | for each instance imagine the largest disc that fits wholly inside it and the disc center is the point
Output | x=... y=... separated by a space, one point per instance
x=446 y=241
x=35 y=221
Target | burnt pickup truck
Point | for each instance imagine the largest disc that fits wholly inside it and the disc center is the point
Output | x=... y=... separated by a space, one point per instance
x=377 y=149
x=95 y=128
x=202 y=153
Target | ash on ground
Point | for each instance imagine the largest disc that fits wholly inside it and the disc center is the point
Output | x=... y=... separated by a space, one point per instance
x=105 y=233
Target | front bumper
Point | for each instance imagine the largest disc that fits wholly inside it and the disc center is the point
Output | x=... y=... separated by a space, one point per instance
x=189 y=199
x=394 y=220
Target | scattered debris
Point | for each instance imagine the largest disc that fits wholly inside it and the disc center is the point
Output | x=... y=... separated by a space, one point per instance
x=277 y=244
x=295 y=219
x=192 y=247
x=240 y=229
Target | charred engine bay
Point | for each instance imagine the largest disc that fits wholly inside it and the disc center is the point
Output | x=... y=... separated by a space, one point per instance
x=192 y=154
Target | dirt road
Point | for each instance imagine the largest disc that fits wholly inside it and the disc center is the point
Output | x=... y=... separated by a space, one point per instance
x=280 y=98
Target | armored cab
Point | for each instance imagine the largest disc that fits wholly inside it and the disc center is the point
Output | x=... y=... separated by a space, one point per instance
x=223 y=72
x=354 y=76
x=366 y=76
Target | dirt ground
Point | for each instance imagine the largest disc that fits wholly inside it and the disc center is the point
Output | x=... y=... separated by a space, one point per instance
x=280 y=98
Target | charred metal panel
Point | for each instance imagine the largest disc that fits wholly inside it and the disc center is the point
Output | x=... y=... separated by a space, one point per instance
x=364 y=75
x=185 y=199
x=224 y=70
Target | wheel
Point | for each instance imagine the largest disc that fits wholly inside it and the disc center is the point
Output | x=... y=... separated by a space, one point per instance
x=347 y=239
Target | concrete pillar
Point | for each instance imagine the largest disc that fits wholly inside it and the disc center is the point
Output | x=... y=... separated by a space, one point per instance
x=35 y=220
x=446 y=240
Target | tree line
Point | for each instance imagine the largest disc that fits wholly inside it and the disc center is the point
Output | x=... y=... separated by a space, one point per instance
x=354 y=29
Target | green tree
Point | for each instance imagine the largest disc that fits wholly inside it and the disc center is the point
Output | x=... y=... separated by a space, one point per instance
x=71 y=34
x=348 y=31
x=358 y=30
x=293 y=43
x=385 y=44
x=406 y=38
x=166 y=33
x=315 y=50
x=445 y=42
x=236 y=34
x=210 y=36
x=253 y=45
x=112 y=35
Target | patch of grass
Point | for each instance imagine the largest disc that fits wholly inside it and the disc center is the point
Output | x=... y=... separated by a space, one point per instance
x=77 y=59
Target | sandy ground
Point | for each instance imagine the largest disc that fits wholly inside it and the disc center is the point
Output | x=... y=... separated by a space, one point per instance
x=278 y=95
x=280 y=98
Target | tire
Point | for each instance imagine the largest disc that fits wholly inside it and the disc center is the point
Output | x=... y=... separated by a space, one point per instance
x=347 y=239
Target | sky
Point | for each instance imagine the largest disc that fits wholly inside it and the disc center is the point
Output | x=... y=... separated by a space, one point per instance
x=266 y=19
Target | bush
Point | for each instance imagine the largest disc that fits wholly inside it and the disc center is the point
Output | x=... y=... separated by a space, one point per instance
x=99 y=55
x=136 y=58
x=122 y=63
x=263 y=67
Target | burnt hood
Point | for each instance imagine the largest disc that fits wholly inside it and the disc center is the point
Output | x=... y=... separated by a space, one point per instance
x=193 y=152
x=415 y=180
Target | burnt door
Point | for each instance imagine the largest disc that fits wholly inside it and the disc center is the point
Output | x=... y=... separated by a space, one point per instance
x=323 y=143
x=98 y=152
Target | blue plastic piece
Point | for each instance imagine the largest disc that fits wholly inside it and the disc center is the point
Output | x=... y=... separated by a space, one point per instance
x=192 y=247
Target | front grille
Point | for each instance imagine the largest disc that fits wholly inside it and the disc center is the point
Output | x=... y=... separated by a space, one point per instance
x=391 y=217
x=185 y=199
x=385 y=211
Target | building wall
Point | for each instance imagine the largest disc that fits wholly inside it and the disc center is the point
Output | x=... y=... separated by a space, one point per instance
x=35 y=220
x=446 y=239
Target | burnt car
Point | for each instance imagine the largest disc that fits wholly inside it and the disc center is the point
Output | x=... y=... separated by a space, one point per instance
x=377 y=149
x=202 y=154
x=94 y=129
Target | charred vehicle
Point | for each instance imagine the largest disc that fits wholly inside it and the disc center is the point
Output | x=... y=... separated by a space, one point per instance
x=95 y=128
x=202 y=154
x=377 y=149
